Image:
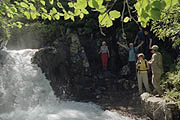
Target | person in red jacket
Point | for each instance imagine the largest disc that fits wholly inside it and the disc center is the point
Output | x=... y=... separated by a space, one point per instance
x=104 y=51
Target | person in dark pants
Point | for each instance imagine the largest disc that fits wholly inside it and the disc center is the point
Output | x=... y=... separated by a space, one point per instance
x=132 y=58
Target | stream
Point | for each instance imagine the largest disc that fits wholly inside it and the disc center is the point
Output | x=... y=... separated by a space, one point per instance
x=25 y=94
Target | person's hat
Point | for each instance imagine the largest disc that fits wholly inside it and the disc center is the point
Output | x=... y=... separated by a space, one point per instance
x=140 y=55
x=154 y=47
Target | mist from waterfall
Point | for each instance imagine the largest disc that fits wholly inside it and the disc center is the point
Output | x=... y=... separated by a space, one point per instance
x=25 y=94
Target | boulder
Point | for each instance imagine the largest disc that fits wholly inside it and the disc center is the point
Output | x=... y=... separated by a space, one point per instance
x=158 y=109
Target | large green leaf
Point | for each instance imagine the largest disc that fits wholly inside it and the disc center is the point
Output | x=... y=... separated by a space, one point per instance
x=156 y=4
x=104 y=20
x=114 y=14
x=155 y=13
x=144 y=14
x=93 y=4
x=81 y=4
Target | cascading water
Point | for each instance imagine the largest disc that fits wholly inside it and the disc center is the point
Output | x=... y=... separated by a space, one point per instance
x=25 y=94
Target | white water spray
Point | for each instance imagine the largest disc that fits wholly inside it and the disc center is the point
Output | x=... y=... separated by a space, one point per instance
x=25 y=94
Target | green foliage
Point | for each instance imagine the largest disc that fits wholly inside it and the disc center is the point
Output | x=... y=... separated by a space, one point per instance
x=4 y=30
x=152 y=9
x=168 y=25
x=171 y=85
x=55 y=10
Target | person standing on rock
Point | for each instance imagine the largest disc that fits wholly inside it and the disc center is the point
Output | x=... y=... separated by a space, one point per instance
x=157 y=68
x=142 y=67
x=132 y=58
x=104 y=51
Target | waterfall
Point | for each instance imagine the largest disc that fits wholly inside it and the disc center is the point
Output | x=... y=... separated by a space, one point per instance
x=25 y=94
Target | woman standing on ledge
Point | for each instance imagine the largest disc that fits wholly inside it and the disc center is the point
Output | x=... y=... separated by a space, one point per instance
x=104 y=51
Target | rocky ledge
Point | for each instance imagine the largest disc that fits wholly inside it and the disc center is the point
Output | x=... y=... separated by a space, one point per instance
x=158 y=108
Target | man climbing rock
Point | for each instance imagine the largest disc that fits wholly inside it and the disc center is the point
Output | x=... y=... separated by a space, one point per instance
x=157 y=68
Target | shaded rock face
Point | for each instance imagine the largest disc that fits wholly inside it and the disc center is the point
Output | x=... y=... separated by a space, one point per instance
x=54 y=63
x=73 y=66
x=158 y=108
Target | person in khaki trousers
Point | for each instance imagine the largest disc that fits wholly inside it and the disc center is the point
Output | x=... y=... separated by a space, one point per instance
x=157 y=68
x=142 y=67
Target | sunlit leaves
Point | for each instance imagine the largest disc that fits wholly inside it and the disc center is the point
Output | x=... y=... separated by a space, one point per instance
x=70 y=4
x=13 y=9
x=32 y=7
x=152 y=9
x=126 y=19
x=24 y=5
x=84 y=11
x=81 y=15
x=43 y=2
x=59 y=5
x=95 y=3
x=102 y=9
x=53 y=11
x=106 y=19
x=57 y=16
x=170 y=3
x=114 y=14
x=77 y=12
x=27 y=14
x=33 y=15
x=155 y=13
x=17 y=24
x=51 y=1
x=44 y=10
x=66 y=16
x=81 y=4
